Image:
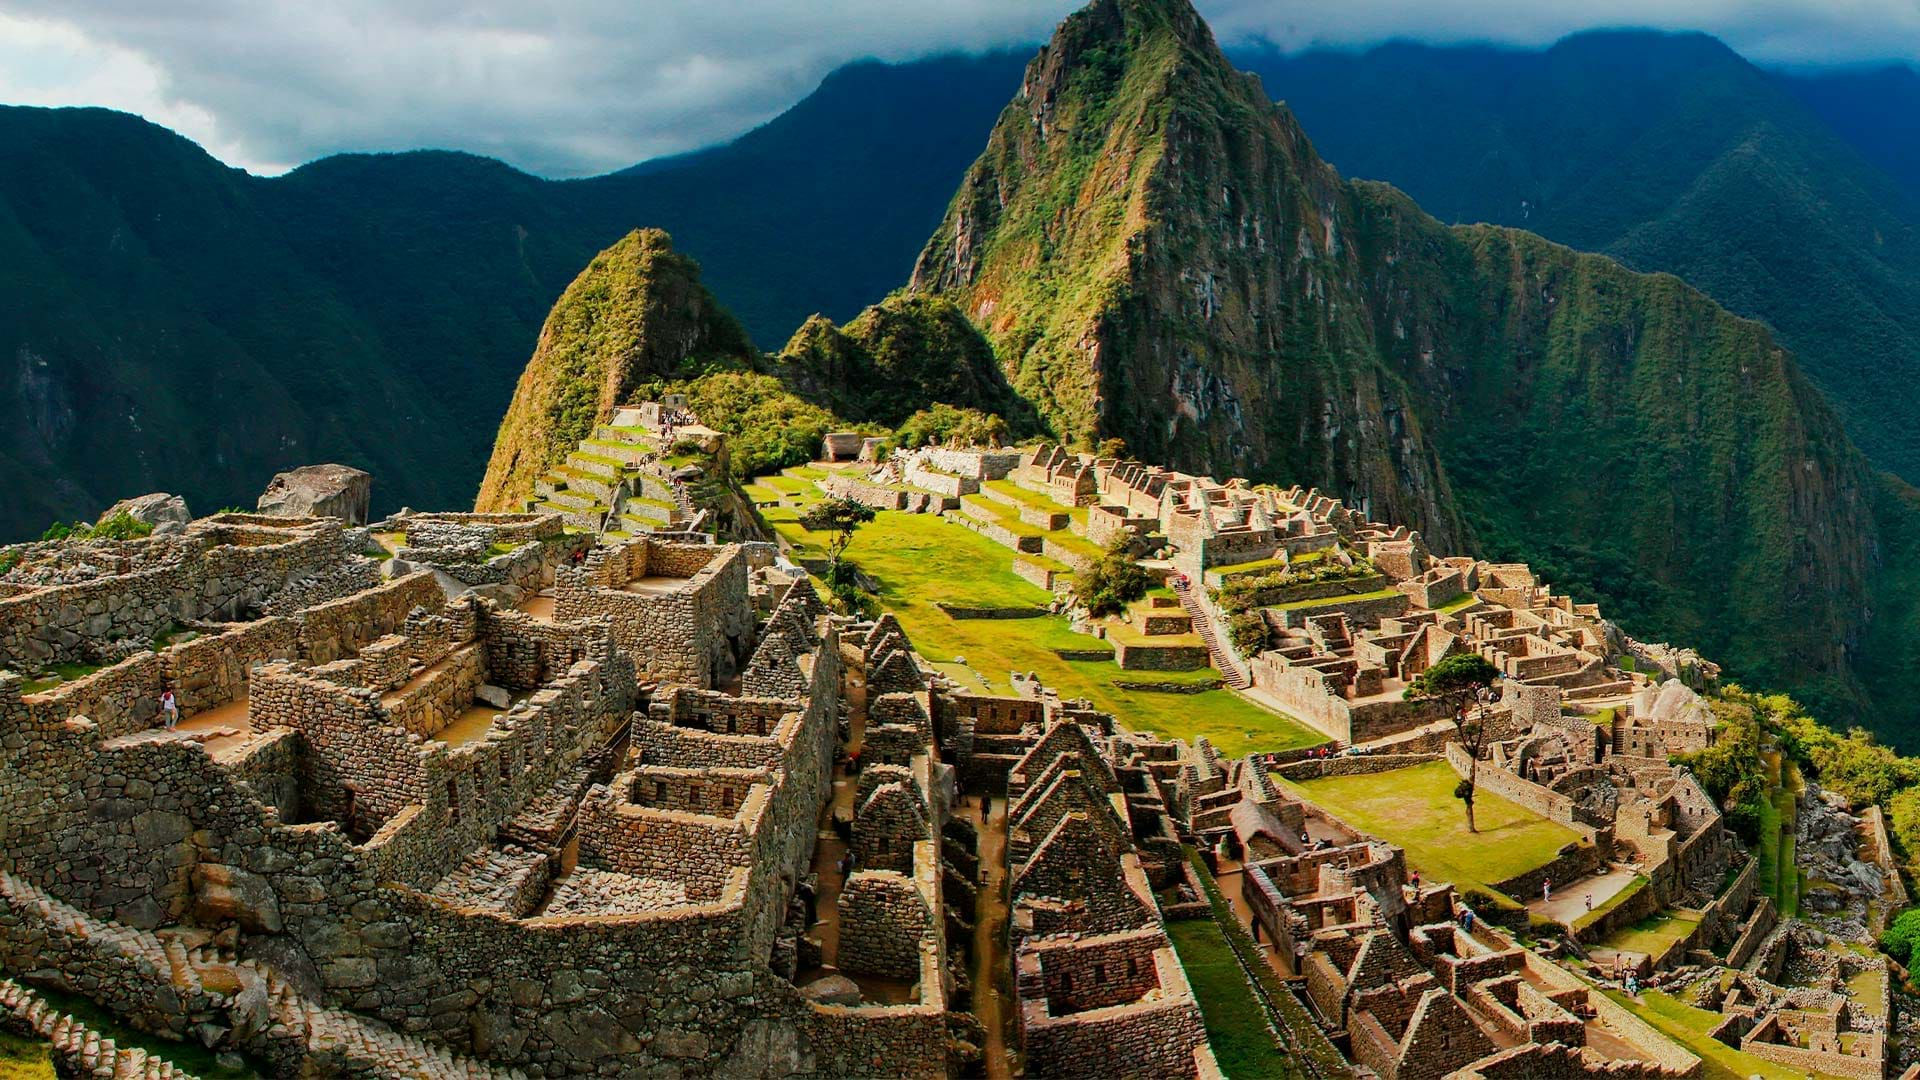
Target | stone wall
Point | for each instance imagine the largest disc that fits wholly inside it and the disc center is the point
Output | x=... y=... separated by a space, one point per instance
x=690 y=633
x=883 y=920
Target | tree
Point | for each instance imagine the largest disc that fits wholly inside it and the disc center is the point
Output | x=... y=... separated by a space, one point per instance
x=1463 y=683
x=1108 y=586
x=839 y=517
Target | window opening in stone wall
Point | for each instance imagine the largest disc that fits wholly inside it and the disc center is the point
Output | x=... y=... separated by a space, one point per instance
x=453 y=802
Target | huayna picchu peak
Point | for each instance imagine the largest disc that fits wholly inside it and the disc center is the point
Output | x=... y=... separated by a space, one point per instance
x=1159 y=255
x=1212 y=619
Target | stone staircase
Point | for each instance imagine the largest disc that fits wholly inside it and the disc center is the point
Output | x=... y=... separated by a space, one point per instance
x=1223 y=660
x=77 y=1049
x=583 y=488
x=270 y=1018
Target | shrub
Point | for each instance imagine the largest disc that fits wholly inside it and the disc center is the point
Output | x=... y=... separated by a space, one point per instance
x=120 y=526
x=1249 y=632
x=1108 y=586
x=1898 y=939
x=945 y=423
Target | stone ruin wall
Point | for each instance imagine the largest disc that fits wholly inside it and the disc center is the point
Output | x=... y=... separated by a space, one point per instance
x=521 y=992
x=686 y=635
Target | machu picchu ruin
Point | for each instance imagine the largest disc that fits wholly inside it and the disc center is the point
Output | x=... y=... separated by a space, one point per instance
x=1199 y=624
x=520 y=793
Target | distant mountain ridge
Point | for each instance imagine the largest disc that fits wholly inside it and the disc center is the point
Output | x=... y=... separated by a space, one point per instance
x=1668 y=152
x=172 y=322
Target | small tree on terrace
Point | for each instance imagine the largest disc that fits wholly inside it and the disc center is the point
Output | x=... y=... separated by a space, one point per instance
x=1108 y=586
x=1463 y=683
x=839 y=517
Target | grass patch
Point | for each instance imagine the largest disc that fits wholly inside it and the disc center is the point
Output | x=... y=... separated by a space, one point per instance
x=1335 y=601
x=1451 y=606
x=1236 y=1028
x=920 y=560
x=1415 y=808
x=1689 y=1026
x=1653 y=935
x=188 y=1056
x=24 y=1059
x=1029 y=498
x=1272 y=1002
x=55 y=674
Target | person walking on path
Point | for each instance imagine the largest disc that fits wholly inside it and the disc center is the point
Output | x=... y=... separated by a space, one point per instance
x=1546 y=890
x=169 y=709
x=1466 y=918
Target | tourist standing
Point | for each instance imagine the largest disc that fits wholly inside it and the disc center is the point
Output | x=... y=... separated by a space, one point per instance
x=169 y=709
x=1546 y=890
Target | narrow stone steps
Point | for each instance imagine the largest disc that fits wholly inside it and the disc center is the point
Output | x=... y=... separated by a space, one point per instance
x=1223 y=660
x=80 y=1049
x=356 y=1045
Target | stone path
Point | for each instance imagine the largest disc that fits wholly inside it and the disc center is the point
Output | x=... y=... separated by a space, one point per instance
x=1569 y=899
x=79 y=1049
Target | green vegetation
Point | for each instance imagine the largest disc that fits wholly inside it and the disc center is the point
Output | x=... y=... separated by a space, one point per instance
x=188 y=1056
x=1653 y=935
x=1415 y=808
x=908 y=360
x=1236 y=1028
x=1266 y=1010
x=1249 y=632
x=1244 y=589
x=24 y=1059
x=637 y=315
x=920 y=561
x=1898 y=939
x=1633 y=889
x=54 y=674
x=1459 y=683
x=119 y=526
x=1110 y=586
x=1689 y=1026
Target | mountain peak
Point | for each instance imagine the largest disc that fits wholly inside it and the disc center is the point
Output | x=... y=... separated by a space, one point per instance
x=638 y=312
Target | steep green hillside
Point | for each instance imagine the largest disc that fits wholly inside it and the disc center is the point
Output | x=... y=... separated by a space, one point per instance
x=897 y=357
x=636 y=315
x=1157 y=252
x=1672 y=153
x=172 y=323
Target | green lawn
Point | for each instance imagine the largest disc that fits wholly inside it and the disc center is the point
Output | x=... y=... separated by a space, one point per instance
x=1633 y=889
x=1415 y=808
x=1653 y=935
x=1688 y=1026
x=1030 y=498
x=920 y=560
x=1334 y=601
x=1236 y=1027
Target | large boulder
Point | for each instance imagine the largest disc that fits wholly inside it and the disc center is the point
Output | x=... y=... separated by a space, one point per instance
x=339 y=491
x=156 y=509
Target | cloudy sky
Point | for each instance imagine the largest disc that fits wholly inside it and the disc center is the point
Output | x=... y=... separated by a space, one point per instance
x=570 y=87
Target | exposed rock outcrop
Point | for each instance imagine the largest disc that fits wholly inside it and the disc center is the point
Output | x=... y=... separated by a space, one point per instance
x=340 y=491
x=159 y=508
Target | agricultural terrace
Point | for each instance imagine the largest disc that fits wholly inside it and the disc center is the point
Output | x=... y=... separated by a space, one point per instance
x=1415 y=808
x=919 y=561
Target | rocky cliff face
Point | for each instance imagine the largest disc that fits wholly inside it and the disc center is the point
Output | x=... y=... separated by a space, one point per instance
x=1156 y=252
x=637 y=313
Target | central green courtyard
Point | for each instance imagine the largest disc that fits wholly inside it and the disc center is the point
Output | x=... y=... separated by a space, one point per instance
x=920 y=561
x=1415 y=809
